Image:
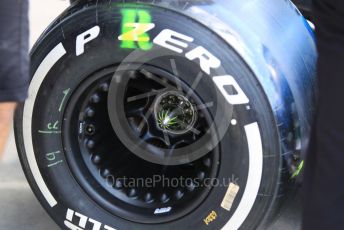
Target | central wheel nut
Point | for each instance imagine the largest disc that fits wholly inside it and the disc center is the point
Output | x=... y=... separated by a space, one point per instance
x=174 y=113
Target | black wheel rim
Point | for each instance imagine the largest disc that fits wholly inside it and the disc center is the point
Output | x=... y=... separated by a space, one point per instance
x=118 y=179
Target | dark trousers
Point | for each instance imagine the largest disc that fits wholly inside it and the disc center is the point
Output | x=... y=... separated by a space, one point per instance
x=14 y=36
x=324 y=179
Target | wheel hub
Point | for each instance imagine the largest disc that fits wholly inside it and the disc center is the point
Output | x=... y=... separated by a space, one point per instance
x=174 y=113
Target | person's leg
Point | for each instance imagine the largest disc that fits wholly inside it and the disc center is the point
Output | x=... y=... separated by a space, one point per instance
x=14 y=69
x=6 y=117
x=324 y=179
x=14 y=36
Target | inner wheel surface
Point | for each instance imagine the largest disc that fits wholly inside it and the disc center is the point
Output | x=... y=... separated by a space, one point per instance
x=125 y=184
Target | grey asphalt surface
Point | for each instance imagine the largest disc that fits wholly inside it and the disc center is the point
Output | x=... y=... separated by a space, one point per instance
x=19 y=208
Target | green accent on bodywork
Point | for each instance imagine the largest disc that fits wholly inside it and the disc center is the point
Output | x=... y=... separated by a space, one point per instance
x=298 y=170
x=130 y=16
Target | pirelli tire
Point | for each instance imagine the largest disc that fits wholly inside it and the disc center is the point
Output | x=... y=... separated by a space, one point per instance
x=107 y=75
